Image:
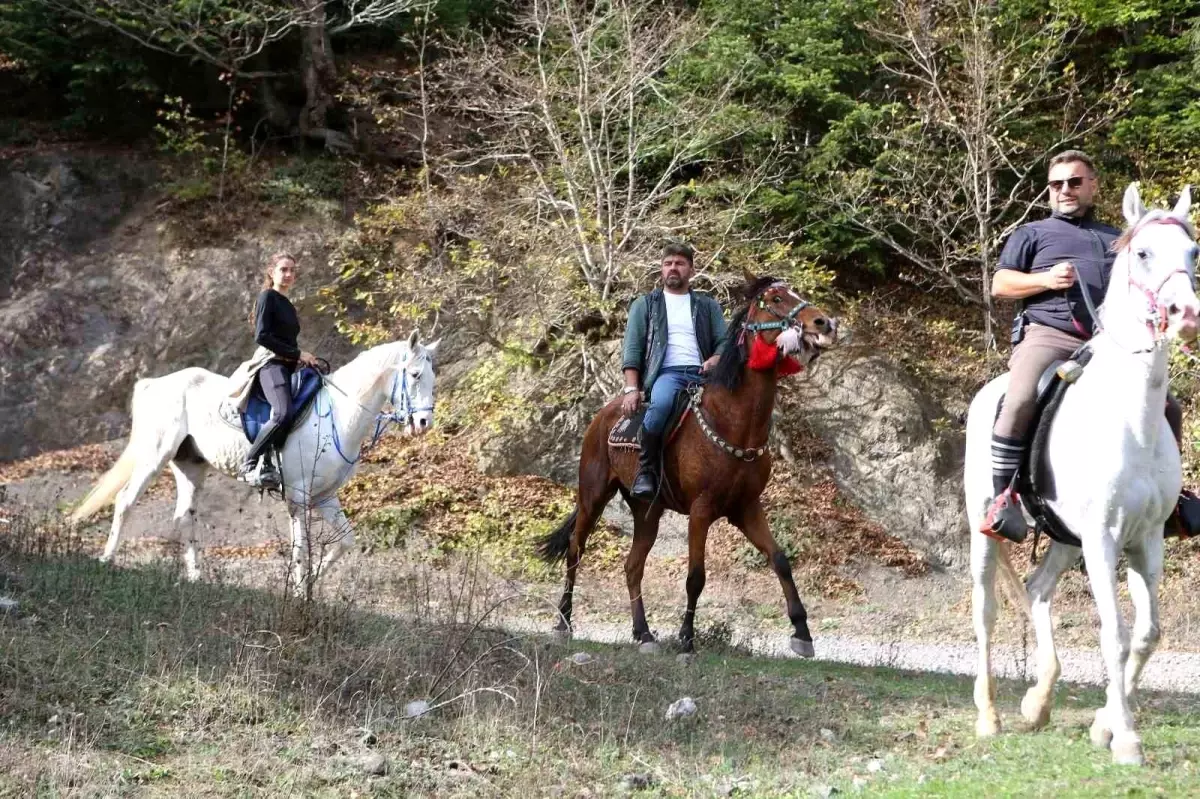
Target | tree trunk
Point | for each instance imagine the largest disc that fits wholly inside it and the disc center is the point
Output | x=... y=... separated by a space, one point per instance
x=320 y=81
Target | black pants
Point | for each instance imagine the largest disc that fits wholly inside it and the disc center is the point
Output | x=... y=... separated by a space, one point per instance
x=276 y=381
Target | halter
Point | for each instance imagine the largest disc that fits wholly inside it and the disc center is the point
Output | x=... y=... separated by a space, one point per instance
x=784 y=320
x=1157 y=320
x=402 y=412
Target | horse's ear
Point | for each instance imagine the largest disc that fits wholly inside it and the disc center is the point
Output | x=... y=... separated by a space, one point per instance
x=1132 y=205
x=432 y=348
x=1184 y=205
x=749 y=276
x=413 y=339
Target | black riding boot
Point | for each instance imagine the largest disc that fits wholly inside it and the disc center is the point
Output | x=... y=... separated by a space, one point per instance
x=645 y=485
x=1185 y=520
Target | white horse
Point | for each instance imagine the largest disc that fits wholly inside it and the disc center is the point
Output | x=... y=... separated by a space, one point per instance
x=176 y=420
x=1116 y=473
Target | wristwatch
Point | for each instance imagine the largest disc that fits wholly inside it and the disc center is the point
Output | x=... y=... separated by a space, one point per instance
x=629 y=389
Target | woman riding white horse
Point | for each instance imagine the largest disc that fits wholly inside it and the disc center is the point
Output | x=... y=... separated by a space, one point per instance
x=176 y=419
x=1116 y=475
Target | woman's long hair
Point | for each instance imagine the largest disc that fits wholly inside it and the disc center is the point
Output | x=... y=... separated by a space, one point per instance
x=269 y=278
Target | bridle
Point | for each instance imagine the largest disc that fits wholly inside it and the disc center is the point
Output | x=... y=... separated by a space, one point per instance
x=1157 y=321
x=783 y=321
x=402 y=412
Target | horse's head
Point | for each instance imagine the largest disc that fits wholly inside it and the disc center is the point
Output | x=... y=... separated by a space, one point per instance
x=1158 y=255
x=780 y=318
x=413 y=395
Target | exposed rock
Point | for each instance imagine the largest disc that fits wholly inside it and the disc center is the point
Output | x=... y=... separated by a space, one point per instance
x=681 y=709
x=896 y=452
x=94 y=294
x=637 y=782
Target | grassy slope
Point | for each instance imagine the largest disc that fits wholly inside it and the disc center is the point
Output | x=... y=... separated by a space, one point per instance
x=127 y=682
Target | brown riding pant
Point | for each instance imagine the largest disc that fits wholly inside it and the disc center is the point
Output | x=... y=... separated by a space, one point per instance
x=1041 y=347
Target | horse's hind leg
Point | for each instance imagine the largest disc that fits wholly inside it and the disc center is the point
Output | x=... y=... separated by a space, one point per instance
x=984 y=560
x=753 y=522
x=1035 y=707
x=143 y=472
x=645 y=532
x=1145 y=570
x=1113 y=726
x=189 y=479
x=593 y=497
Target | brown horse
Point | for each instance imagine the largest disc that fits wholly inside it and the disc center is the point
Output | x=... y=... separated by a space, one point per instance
x=716 y=466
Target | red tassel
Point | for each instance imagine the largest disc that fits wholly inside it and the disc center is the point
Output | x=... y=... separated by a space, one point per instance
x=764 y=356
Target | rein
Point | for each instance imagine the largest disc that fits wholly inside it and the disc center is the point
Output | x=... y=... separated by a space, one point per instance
x=402 y=412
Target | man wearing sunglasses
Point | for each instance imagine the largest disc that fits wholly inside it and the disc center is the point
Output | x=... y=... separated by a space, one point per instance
x=1046 y=266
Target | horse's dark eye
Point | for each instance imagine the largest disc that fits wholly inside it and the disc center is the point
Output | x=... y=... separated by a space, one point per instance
x=1143 y=255
x=776 y=298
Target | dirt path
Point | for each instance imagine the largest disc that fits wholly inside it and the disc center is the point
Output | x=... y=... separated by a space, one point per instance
x=919 y=623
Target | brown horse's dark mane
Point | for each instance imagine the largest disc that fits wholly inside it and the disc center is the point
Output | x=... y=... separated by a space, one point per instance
x=732 y=365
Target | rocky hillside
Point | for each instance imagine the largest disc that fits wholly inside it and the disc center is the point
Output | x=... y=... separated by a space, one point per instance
x=98 y=290
x=102 y=286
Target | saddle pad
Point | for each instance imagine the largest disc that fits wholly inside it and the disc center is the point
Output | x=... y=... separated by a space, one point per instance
x=305 y=384
x=625 y=434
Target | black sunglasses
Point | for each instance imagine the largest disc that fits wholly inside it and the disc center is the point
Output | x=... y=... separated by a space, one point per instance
x=1074 y=183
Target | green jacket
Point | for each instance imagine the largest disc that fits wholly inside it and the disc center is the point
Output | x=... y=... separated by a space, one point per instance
x=646 y=334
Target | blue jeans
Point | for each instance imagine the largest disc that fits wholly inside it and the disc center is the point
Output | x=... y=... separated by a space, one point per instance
x=670 y=382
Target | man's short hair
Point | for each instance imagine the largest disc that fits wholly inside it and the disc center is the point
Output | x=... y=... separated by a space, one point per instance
x=1072 y=156
x=675 y=248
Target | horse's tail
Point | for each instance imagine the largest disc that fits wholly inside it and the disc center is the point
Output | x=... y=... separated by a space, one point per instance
x=1012 y=581
x=109 y=486
x=554 y=546
x=106 y=490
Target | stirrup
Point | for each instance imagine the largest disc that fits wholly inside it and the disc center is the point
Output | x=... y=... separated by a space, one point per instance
x=1004 y=520
x=264 y=476
x=644 y=493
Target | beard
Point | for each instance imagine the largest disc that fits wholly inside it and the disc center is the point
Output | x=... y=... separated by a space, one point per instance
x=674 y=281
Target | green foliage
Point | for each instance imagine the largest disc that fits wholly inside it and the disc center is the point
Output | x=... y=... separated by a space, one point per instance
x=91 y=78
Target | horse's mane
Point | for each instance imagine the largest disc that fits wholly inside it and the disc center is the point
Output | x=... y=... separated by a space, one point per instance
x=1151 y=217
x=371 y=360
x=732 y=365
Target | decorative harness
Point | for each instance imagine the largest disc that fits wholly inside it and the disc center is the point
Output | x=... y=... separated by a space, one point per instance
x=402 y=411
x=782 y=323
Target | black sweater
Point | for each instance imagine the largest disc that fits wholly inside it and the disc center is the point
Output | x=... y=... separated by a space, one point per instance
x=276 y=324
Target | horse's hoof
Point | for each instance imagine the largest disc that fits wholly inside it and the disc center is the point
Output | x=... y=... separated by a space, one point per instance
x=987 y=725
x=1035 y=709
x=561 y=634
x=1128 y=752
x=1100 y=734
x=648 y=648
x=685 y=658
x=803 y=648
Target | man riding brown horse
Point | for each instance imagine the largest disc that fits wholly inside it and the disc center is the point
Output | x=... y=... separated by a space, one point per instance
x=716 y=460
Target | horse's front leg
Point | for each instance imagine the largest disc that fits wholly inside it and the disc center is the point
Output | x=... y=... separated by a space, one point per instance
x=1145 y=571
x=753 y=523
x=1035 y=707
x=985 y=553
x=1113 y=726
x=341 y=535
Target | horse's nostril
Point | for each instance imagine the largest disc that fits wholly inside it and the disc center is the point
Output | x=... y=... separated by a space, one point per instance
x=821 y=323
